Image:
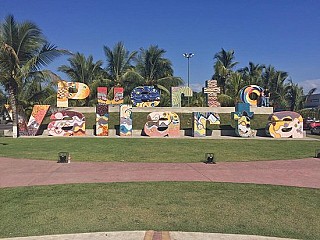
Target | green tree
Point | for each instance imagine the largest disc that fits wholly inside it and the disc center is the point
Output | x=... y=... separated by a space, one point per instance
x=23 y=52
x=306 y=96
x=252 y=74
x=233 y=88
x=85 y=70
x=119 y=62
x=3 y=100
x=198 y=99
x=295 y=96
x=275 y=81
x=223 y=67
x=39 y=89
x=153 y=69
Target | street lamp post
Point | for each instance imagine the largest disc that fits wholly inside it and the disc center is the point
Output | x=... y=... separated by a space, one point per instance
x=188 y=56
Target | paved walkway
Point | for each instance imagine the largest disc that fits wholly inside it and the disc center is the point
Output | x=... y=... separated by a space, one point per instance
x=24 y=172
x=148 y=235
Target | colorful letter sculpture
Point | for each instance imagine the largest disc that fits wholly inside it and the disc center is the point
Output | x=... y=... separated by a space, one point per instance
x=243 y=116
x=36 y=118
x=22 y=122
x=102 y=94
x=102 y=120
x=200 y=122
x=125 y=120
x=285 y=124
x=9 y=110
x=251 y=94
x=161 y=124
x=212 y=90
x=117 y=96
x=145 y=96
x=67 y=123
x=102 y=112
x=176 y=93
x=71 y=90
x=31 y=128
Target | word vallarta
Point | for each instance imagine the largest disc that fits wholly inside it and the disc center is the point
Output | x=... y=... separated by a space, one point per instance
x=158 y=123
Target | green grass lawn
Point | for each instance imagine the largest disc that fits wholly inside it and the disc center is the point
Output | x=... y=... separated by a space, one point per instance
x=157 y=149
x=171 y=206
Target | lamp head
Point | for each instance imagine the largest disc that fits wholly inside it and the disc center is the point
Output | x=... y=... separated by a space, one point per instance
x=188 y=55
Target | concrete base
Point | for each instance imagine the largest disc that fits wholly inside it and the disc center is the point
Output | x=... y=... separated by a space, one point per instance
x=148 y=235
x=115 y=108
x=183 y=133
x=7 y=133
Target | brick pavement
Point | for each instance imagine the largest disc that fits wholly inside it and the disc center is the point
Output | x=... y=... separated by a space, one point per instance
x=24 y=172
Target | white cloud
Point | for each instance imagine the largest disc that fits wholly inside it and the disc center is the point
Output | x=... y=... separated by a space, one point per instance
x=309 y=84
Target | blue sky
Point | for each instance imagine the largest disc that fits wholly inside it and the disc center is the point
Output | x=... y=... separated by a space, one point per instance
x=283 y=33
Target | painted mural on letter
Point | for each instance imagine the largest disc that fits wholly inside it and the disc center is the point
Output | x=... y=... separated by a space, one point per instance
x=126 y=120
x=22 y=119
x=67 y=123
x=161 y=124
x=251 y=94
x=102 y=112
x=145 y=96
x=176 y=93
x=285 y=124
x=71 y=90
x=212 y=90
x=243 y=116
x=9 y=110
x=102 y=120
x=117 y=96
x=200 y=122
x=36 y=118
x=22 y=122
x=102 y=94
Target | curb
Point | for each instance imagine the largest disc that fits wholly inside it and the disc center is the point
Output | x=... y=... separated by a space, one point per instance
x=148 y=235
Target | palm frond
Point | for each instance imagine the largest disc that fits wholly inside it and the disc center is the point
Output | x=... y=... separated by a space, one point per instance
x=163 y=89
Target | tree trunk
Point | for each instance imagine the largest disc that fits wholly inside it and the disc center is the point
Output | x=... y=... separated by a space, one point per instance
x=13 y=103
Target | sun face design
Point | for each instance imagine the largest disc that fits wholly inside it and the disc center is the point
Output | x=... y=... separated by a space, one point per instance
x=286 y=124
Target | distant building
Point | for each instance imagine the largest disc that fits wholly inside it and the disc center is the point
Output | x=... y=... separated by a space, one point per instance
x=313 y=101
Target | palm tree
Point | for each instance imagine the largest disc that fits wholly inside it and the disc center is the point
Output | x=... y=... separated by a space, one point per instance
x=119 y=61
x=233 y=87
x=295 y=96
x=36 y=90
x=198 y=99
x=84 y=70
x=267 y=76
x=3 y=100
x=23 y=51
x=311 y=91
x=2 y=97
x=154 y=69
x=223 y=67
x=273 y=79
x=252 y=74
x=276 y=82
